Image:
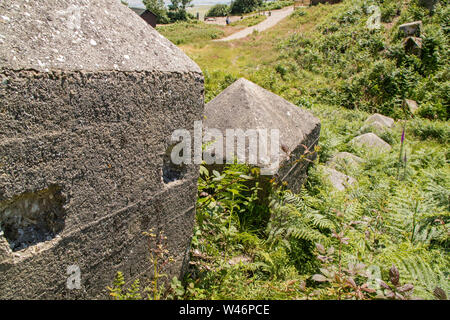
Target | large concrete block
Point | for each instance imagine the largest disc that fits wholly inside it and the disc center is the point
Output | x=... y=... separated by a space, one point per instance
x=89 y=97
x=411 y=28
x=246 y=106
x=372 y=142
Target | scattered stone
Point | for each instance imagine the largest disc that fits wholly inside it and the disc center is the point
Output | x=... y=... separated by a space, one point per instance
x=413 y=45
x=339 y=180
x=346 y=159
x=70 y=122
x=372 y=141
x=383 y=120
x=239 y=259
x=411 y=28
x=378 y=122
x=246 y=106
x=411 y=105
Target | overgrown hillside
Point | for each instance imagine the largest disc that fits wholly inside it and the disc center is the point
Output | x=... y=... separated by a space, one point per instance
x=393 y=223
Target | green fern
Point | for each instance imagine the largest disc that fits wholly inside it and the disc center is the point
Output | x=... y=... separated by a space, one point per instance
x=416 y=270
x=292 y=216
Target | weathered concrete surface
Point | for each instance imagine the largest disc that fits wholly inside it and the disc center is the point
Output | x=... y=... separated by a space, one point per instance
x=245 y=105
x=411 y=28
x=371 y=141
x=89 y=98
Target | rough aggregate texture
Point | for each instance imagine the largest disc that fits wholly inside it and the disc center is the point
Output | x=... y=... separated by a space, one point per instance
x=245 y=105
x=90 y=109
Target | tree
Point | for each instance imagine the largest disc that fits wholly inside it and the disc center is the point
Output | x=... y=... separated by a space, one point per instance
x=245 y=6
x=219 y=10
x=159 y=9
x=177 y=10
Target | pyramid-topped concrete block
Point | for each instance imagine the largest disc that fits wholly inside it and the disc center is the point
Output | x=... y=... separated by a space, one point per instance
x=411 y=28
x=90 y=97
x=380 y=121
x=371 y=141
x=245 y=105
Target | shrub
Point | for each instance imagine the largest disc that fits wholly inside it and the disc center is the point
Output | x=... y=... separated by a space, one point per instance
x=218 y=10
x=245 y=6
x=433 y=111
x=159 y=9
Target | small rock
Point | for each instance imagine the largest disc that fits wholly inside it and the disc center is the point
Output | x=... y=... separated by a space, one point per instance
x=380 y=120
x=411 y=28
x=238 y=260
x=411 y=105
x=344 y=158
x=376 y=125
x=371 y=140
x=339 y=180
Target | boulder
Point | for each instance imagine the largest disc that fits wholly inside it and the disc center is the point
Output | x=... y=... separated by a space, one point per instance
x=382 y=120
x=371 y=141
x=378 y=122
x=411 y=105
x=90 y=95
x=344 y=159
x=411 y=28
x=246 y=107
x=339 y=180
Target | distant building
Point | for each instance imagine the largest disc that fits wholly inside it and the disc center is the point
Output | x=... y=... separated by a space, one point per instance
x=147 y=15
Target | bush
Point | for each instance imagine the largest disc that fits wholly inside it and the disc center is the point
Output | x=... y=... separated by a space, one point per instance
x=219 y=10
x=159 y=9
x=190 y=32
x=245 y=6
x=433 y=111
x=275 y=5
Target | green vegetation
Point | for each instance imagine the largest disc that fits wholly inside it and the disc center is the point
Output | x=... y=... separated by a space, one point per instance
x=386 y=237
x=159 y=9
x=218 y=10
x=245 y=6
x=176 y=10
x=190 y=32
x=275 y=5
x=293 y=248
x=249 y=21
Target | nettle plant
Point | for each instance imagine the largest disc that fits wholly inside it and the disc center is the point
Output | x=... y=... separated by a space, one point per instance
x=353 y=280
x=160 y=258
x=395 y=291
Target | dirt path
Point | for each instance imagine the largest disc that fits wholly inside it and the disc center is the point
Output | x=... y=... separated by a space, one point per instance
x=275 y=17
